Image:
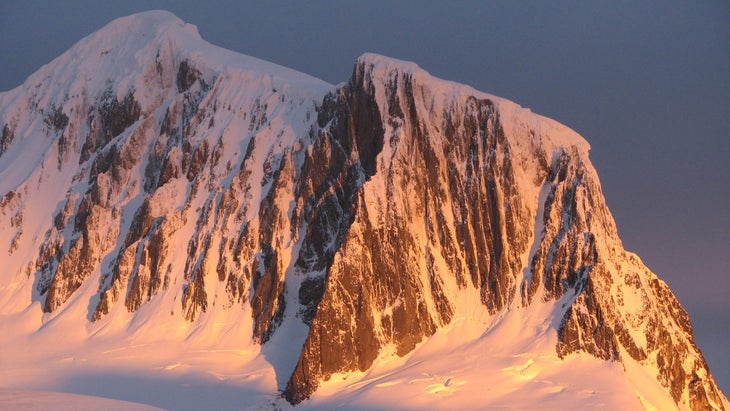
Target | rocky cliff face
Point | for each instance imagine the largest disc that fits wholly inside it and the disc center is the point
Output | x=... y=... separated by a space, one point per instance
x=371 y=214
x=456 y=201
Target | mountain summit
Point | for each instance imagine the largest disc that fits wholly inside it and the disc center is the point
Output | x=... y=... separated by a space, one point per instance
x=160 y=191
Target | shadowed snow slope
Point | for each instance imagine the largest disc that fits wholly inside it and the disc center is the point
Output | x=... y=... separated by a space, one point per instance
x=41 y=400
x=188 y=227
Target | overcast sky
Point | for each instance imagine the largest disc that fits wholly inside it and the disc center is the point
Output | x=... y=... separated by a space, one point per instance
x=646 y=83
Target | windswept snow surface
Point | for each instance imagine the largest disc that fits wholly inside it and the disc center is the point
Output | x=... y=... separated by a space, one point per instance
x=44 y=400
x=513 y=365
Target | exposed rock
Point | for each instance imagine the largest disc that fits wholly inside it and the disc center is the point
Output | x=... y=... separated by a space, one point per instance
x=109 y=118
x=384 y=264
x=310 y=294
x=186 y=76
x=6 y=138
x=55 y=118
x=96 y=231
x=369 y=222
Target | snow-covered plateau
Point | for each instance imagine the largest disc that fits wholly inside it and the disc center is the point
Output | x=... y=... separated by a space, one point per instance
x=187 y=227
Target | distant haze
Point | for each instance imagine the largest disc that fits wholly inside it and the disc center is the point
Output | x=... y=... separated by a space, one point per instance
x=647 y=84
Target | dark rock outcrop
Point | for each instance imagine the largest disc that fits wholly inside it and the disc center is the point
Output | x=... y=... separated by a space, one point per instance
x=378 y=277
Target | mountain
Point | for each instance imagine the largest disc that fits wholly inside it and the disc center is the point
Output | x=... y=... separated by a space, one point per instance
x=160 y=191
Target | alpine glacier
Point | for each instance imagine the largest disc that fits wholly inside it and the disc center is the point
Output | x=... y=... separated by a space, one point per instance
x=170 y=209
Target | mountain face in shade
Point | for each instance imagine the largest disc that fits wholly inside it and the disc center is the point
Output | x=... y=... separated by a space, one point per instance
x=146 y=175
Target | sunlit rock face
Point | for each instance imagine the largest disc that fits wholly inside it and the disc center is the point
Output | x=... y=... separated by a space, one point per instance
x=426 y=222
x=455 y=201
x=149 y=174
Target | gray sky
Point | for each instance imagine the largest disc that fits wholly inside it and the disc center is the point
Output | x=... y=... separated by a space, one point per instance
x=646 y=83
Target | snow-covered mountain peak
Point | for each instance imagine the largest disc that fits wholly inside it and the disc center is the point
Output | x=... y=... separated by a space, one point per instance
x=438 y=95
x=131 y=52
x=388 y=70
x=160 y=190
x=381 y=65
x=148 y=24
x=116 y=48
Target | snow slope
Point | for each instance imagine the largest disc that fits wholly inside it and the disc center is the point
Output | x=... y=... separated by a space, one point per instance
x=40 y=400
x=462 y=366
